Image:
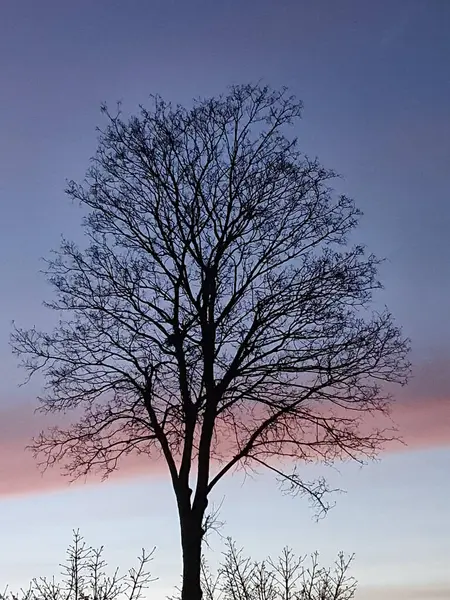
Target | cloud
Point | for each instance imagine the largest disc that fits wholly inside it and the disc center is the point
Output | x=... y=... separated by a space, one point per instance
x=422 y=414
x=429 y=592
x=19 y=473
x=424 y=424
x=422 y=410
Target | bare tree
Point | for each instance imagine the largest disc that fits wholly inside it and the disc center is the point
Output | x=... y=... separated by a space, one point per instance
x=287 y=578
x=85 y=577
x=218 y=314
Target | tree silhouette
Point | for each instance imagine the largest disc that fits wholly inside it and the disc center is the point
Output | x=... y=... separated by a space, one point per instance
x=85 y=577
x=289 y=577
x=218 y=315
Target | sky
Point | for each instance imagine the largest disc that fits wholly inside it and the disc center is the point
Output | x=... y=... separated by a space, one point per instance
x=375 y=84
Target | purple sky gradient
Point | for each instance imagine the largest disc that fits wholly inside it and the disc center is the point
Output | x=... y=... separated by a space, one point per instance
x=375 y=83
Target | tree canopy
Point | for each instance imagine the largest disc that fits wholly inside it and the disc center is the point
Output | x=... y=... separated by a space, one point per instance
x=217 y=314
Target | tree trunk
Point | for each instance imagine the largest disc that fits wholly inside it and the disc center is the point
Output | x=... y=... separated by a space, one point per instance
x=191 y=543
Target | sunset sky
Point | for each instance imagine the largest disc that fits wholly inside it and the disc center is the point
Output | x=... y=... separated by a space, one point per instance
x=375 y=81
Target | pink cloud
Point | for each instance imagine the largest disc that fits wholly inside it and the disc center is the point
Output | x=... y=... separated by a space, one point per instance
x=422 y=423
x=19 y=473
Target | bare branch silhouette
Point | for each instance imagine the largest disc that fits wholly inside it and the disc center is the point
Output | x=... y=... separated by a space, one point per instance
x=287 y=578
x=217 y=316
x=84 y=577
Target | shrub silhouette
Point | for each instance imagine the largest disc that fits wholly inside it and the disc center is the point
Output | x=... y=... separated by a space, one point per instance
x=84 y=576
x=289 y=577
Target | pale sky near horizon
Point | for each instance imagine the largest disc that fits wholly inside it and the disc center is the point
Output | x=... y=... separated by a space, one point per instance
x=374 y=79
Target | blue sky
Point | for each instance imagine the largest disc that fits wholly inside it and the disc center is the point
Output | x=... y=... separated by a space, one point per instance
x=373 y=77
x=394 y=516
